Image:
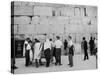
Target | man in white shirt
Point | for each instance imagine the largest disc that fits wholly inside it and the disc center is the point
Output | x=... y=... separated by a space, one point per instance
x=25 y=45
x=47 y=48
x=28 y=48
x=58 y=44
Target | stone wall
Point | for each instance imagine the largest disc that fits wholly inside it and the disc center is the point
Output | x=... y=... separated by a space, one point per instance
x=54 y=19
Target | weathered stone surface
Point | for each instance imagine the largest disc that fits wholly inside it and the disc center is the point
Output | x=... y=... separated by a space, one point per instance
x=23 y=10
x=42 y=18
x=67 y=11
x=42 y=11
x=91 y=11
x=21 y=20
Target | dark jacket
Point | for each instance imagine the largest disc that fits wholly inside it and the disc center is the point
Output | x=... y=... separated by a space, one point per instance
x=71 y=50
x=91 y=43
x=85 y=45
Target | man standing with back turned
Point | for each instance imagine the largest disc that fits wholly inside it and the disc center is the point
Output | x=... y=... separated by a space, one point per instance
x=58 y=44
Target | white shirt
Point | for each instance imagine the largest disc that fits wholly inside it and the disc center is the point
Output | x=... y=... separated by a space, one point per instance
x=52 y=44
x=47 y=44
x=26 y=42
x=28 y=47
x=70 y=43
x=95 y=42
x=58 y=44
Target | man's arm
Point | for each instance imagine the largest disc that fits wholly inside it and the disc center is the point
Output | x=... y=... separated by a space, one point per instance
x=25 y=46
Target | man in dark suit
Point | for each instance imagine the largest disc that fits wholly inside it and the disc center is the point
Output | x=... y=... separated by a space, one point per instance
x=85 y=47
x=91 y=43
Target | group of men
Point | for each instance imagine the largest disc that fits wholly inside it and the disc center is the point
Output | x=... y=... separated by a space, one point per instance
x=48 y=50
x=92 y=46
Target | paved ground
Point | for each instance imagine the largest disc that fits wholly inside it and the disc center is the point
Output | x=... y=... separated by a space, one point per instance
x=79 y=64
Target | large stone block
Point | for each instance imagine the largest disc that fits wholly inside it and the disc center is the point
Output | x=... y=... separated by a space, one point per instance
x=77 y=11
x=22 y=29
x=57 y=12
x=91 y=11
x=59 y=20
x=17 y=3
x=23 y=10
x=30 y=29
x=93 y=28
x=57 y=28
x=42 y=11
x=82 y=11
x=75 y=20
x=21 y=20
x=35 y=20
x=67 y=11
x=41 y=29
x=14 y=29
x=94 y=21
x=44 y=20
x=86 y=20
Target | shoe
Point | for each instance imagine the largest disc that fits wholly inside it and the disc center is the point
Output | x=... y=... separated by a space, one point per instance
x=14 y=67
x=60 y=64
x=41 y=64
x=47 y=66
x=84 y=59
x=71 y=65
x=87 y=58
x=30 y=63
x=56 y=64
x=68 y=64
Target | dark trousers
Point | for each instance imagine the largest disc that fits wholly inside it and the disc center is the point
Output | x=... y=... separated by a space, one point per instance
x=85 y=55
x=37 y=63
x=27 y=57
x=66 y=51
x=58 y=56
x=54 y=53
x=95 y=51
x=70 y=57
x=47 y=56
x=51 y=54
x=91 y=50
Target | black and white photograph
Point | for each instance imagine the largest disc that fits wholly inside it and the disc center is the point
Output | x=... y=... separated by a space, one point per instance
x=53 y=37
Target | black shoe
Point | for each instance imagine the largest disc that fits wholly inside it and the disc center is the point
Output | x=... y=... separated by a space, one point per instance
x=30 y=63
x=60 y=64
x=37 y=65
x=69 y=64
x=47 y=66
x=26 y=65
x=41 y=63
x=56 y=64
x=87 y=58
x=84 y=59
x=14 y=67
